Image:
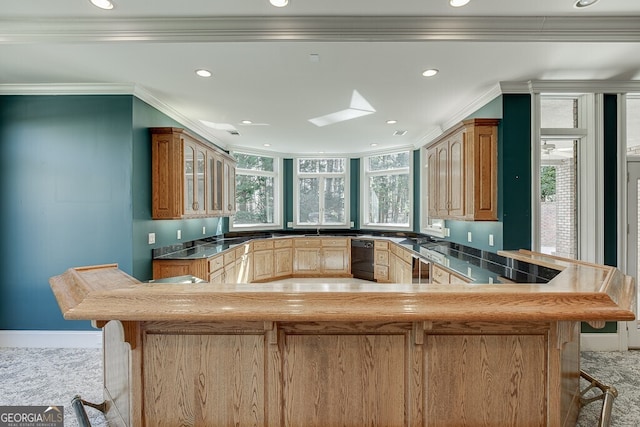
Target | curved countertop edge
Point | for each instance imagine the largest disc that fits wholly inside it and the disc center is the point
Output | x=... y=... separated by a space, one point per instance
x=581 y=292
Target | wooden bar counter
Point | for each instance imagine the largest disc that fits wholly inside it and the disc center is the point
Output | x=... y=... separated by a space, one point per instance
x=272 y=354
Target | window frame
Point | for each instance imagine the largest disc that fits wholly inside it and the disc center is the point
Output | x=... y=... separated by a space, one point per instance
x=322 y=175
x=277 y=196
x=365 y=174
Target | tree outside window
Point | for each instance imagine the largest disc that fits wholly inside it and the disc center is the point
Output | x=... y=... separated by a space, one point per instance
x=388 y=193
x=256 y=179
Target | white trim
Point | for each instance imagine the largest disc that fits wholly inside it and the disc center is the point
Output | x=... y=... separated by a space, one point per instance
x=112 y=89
x=51 y=339
x=535 y=172
x=462 y=114
x=364 y=28
x=570 y=86
x=593 y=341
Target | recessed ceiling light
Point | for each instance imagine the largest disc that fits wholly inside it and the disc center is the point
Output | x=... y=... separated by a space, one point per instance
x=279 y=3
x=584 y=3
x=246 y=122
x=392 y=122
x=458 y=3
x=373 y=144
x=203 y=73
x=266 y=145
x=430 y=72
x=102 y=4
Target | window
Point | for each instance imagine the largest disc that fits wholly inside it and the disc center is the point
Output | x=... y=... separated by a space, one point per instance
x=321 y=192
x=387 y=190
x=568 y=176
x=257 y=192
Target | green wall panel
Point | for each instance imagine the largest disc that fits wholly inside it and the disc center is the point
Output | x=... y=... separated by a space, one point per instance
x=610 y=179
x=514 y=171
x=65 y=178
x=354 y=180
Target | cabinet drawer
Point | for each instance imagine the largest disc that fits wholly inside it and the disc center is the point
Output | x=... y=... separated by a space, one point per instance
x=261 y=245
x=382 y=257
x=335 y=242
x=381 y=244
x=282 y=243
x=229 y=257
x=241 y=250
x=406 y=256
x=215 y=263
x=381 y=272
x=440 y=275
x=453 y=279
x=307 y=243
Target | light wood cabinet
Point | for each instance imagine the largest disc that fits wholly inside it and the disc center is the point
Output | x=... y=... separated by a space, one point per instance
x=262 y=256
x=283 y=258
x=400 y=265
x=321 y=257
x=381 y=263
x=462 y=172
x=190 y=177
x=442 y=275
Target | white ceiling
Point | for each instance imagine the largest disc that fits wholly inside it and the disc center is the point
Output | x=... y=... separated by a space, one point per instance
x=260 y=59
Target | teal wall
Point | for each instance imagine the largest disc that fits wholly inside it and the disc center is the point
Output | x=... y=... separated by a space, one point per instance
x=417 y=195
x=287 y=197
x=76 y=190
x=65 y=177
x=610 y=179
x=354 y=188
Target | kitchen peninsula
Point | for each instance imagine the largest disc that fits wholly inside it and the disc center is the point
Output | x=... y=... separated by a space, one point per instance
x=384 y=354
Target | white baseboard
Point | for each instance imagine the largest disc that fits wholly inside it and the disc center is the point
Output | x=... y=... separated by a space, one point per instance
x=601 y=342
x=51 y=339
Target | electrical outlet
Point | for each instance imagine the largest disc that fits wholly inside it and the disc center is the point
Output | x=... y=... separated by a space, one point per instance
x=289 y=224
x=353 y=224
x=152 y=238
x=490 y=239
x=447 y=232
x=204 y=230
x=469 y=236
x=179 y=234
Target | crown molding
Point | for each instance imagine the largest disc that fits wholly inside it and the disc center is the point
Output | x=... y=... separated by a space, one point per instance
x=323 y=28
x=571 y=86
x=111 y=89
x=68 y=89
x=465 y=112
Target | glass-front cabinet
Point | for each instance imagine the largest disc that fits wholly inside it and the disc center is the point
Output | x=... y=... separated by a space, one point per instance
x=190 y=177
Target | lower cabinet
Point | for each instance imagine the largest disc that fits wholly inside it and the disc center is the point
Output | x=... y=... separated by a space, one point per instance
x=441 y=275
x=265 y=260
x=321 y=257
x=282 y=262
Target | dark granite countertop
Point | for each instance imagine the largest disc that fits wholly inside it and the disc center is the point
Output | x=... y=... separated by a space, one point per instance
x=476 y=265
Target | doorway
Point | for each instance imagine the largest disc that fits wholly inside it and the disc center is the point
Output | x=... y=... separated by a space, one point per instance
x=633 y=236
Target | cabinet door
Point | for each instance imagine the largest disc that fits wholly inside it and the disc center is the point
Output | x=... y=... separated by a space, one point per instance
x=439 y=275
x=307 y=261
x=263 y=265
x=194 y=178
x=214 y=189
x=335 y=260
x=282 y=262
x=457 y=171
x=434 y=185
x=442 y=181
x=189 y=178
x=229 y=188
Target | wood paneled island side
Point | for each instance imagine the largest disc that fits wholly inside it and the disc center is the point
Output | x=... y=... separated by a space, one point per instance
x=345 y=354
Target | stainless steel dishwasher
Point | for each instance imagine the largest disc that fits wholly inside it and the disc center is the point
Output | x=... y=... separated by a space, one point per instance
x=362 y=257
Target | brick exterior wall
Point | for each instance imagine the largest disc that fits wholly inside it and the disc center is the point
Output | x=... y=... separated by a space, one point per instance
x=558 y=218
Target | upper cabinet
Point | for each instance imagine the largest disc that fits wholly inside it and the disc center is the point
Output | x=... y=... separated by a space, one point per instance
x=463 y=169
x=190 y=177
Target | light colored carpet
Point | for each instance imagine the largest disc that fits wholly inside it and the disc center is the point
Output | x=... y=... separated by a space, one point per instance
x=53 y=376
